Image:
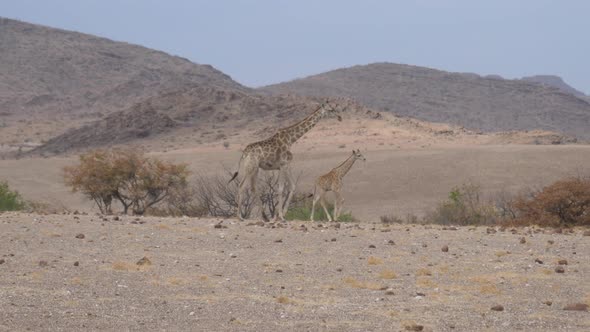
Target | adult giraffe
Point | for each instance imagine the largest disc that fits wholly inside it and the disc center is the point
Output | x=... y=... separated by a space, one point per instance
x=274 y=154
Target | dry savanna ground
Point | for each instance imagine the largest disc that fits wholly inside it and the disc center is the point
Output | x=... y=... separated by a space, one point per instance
x=86 y=272
x=76 y=272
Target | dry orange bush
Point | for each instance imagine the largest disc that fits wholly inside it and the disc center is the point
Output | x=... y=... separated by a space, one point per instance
x=136 y=181
x=563 y=203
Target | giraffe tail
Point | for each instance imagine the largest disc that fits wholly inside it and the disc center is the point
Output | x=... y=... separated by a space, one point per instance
x=233 y=177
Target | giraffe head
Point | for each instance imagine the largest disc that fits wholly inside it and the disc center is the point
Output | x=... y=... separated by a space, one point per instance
x=358 y=155
x=330 y=111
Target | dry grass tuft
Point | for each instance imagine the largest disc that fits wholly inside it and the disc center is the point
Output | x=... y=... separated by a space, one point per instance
x=355 y=283
x=423 y=272
x=176 y=281
x=284 y=300
x=502 y=253
x=387 y=274
x=372 y=260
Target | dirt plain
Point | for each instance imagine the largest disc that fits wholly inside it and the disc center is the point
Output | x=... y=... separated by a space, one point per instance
x=86 y=272
x=299 y=276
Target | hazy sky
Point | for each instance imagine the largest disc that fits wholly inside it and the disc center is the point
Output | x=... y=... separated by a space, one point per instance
x=269 y=41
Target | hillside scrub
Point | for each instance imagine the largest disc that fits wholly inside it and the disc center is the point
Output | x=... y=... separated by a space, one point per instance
x=127 y=176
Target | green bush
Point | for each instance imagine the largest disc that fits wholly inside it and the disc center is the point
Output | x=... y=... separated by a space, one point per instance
x=10 y=200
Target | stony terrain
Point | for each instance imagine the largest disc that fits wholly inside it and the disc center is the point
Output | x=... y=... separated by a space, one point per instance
x=84 y=272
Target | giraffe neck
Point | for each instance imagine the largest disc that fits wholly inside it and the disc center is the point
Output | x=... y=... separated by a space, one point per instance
x=291 y=134
x=345 y=166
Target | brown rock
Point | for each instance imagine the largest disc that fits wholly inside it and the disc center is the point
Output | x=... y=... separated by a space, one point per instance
x=445 y=249
x=549 y=303
x=522 y=240
x=76 y=263
x=576 y=307
x=144 y=261
x=550 y=241
x=586 y=233
x=372 y=246
x=538 y=261
x=391 y=242
x=80 y=236
x=498 y=308
x=43 y=263
x=562 y=262
x=2 y=261
x=414 y=327
x=560 y=269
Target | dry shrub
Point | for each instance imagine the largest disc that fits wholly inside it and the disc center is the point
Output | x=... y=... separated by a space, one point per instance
x=127 y=176
x=563 y=203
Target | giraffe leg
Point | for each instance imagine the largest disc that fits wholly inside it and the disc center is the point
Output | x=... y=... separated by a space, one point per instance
x=338 y=203
x=323 y=202
x=249 y=176
x=317 y=193
x=290 y=188
x=280 y=195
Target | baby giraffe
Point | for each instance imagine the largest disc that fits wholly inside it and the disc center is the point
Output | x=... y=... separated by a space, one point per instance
x=332 y=181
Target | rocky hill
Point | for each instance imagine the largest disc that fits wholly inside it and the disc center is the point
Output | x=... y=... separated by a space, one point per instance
x=47 y=72
x=484 y=103
x=554 y=81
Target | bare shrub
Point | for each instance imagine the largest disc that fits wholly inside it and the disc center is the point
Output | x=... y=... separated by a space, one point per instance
x=563 y=203
x=464 y=206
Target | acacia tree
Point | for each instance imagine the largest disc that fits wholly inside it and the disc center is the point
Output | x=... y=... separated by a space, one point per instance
x=136 y=181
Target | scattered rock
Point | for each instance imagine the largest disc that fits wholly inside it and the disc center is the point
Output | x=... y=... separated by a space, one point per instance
x=490 y=231
x=80 y=236
x=116 y=218
x=576 y=307
x=586 y=233
x=43 y=263
x=219 y=225
x=550 y=241
x=279 y=271
x=391 y=242
x=522 y=240
x=562 y=262
x=414 y=327
x=372 y=246
x=76 y=263
x=498 y=308
x=538 y=261
x=2 y=261
x=144 y=261
x=279 y=241
x=549 y=303
x=445 y=249
x=560 y=269
x=333 y=239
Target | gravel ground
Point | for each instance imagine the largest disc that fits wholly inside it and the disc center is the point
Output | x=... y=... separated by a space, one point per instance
x=82 y=272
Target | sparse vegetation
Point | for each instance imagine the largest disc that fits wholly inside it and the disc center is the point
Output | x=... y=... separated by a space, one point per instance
x=563 y=203
x=10 y=200
x=464 y=206
x=136 y=181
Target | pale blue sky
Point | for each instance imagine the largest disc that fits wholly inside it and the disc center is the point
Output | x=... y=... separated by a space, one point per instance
x=269 y=41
